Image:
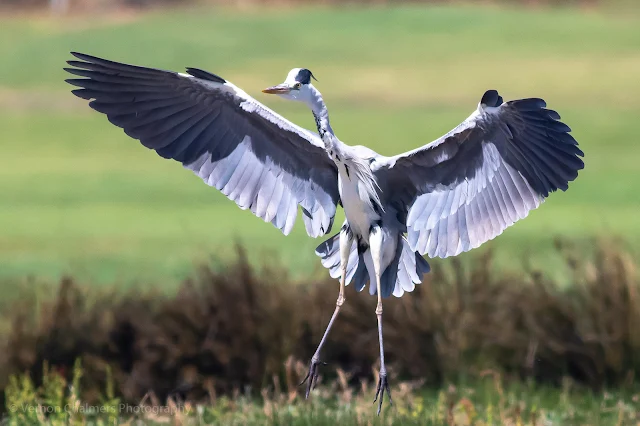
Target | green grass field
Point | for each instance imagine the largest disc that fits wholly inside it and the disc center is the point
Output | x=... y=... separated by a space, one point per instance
x=487 y=402
x=80 y=197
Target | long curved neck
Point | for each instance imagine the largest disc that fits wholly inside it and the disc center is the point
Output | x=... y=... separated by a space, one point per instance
x=320 y=113
x=350 y=165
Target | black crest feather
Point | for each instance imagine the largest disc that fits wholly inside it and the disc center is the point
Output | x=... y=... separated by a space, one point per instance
x=304 y=76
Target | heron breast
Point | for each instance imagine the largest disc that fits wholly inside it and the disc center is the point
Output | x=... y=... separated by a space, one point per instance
x=356 y=209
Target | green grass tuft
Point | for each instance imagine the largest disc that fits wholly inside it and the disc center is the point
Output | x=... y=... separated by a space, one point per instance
x=491 y=401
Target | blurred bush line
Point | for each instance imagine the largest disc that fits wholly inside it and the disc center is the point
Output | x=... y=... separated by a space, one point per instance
x=64 y=6
x=232 y=328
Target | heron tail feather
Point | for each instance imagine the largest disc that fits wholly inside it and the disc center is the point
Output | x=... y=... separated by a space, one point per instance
x=402 y=275
x=404 y=272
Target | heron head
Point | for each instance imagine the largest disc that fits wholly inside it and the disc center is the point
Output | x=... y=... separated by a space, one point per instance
x=295 y=86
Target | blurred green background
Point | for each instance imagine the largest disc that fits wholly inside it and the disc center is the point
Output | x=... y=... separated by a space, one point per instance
x=80 y=197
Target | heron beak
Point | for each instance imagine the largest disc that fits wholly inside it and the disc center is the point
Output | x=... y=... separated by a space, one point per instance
x=280 y=89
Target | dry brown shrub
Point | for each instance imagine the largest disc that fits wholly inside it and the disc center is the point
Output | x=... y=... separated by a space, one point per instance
x=233 y=329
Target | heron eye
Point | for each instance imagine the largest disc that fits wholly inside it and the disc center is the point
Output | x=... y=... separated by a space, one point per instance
x=297 y=85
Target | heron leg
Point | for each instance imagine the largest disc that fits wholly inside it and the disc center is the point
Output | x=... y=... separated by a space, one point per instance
x=375 y=246
x=345 y=248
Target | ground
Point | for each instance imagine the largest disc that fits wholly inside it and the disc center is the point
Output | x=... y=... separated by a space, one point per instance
x=80 y=197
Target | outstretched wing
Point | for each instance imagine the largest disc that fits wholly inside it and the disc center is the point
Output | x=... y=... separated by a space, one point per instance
x=468 y=186
x=254 y=156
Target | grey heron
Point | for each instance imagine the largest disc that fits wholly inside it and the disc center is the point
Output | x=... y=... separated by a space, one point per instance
x=441 y=199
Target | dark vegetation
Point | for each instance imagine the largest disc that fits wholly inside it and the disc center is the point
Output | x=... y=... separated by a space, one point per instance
x=236 y=329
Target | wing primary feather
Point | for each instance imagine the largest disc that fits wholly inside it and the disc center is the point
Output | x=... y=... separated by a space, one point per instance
x=255 y=156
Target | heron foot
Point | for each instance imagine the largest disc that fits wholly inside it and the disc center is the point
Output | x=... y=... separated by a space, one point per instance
x=383 y=385
x=312 y=375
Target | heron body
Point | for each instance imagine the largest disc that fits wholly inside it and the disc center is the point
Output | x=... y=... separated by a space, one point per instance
x=363 y=212
x=357 y=205
x=360 y=196
x=441 y=199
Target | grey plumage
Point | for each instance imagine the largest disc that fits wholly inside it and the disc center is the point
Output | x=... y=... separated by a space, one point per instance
x=253 y=155
x=441 y=199
x=450 y=196
x=468 y=186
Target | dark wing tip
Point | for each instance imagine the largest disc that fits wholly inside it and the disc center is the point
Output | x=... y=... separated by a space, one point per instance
x=83 y=93
x=85 y=57
x=79 y=64
x=78 y=82
x=91 y=58
x=205 y=75
x=530 y=104
x=491 y=98
x=553 y=114
x=545 y=143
